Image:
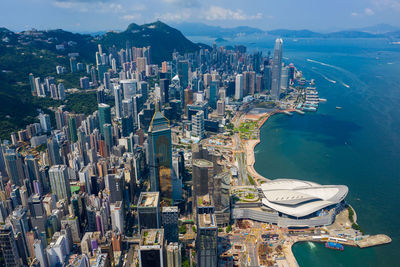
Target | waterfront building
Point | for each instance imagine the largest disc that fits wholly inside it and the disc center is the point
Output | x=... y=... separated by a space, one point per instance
x=276 y=70
x=239 y=84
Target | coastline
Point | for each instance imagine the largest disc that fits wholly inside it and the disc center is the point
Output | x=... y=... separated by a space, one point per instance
x=249 y=148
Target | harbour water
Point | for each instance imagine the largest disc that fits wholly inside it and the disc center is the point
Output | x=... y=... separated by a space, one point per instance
x=357 y=145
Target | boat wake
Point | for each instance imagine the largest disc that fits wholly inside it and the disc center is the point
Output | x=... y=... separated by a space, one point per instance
x=322 y=63
x=326 y=78
x=346 y=85
x=311 y=244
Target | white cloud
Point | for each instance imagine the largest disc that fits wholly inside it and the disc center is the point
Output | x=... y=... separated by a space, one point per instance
x=354 y=14
x=368 y=11
x=132 y=17
x=178 y=16
x=183 y=3
x=387 y=4
x=220 y=13
x=98 y=6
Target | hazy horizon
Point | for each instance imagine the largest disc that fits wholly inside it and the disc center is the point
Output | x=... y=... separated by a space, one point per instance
x=103 y=15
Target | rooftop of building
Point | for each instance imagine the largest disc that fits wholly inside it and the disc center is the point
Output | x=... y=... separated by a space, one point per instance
x=206 y=220
x=152 y=237
x=170 y=209
x=202 y=163
x=149 y=199
x=204 y=201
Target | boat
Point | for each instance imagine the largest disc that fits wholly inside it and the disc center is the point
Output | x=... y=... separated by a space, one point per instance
x=338 y=107
x=333 y=245
x=299 y=111
x=287 y=113
x=309 y=109
x=322 y=100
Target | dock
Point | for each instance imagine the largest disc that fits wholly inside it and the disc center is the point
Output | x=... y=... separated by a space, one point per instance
x=374 y=240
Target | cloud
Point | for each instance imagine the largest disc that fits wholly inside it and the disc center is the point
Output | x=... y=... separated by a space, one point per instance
x=387 y=4
x=354 y=14
x=131 y=17
x=220 y=13
x=183 y=3
x=369 y=11
x=178 y=16
x=94 y=6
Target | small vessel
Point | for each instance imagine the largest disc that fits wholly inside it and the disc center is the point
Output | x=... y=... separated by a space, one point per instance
x=333 y=245
x=338 y=107
x=312 y=82
x=322 y=100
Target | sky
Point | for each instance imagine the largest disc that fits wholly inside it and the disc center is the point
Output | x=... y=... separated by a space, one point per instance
x=102 y=15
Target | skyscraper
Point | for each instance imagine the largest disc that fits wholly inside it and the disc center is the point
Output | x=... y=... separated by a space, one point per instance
x=160 y=155
x=118 y=102
x=59 y=182
x=239 y=87
x=8 y=247
x=213 y=94
x=202 y=173
x=169 y=217
x=198 y=124
x=72 y=128
x=276 y=70
x=104 y=116
x=148 y=210
x=164 y=88
x=53 y=151
x=151 y=248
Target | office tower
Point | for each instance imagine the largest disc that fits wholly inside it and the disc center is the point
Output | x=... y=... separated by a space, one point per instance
x=276 y=70
x=164 y=88
x=8 y=247
x=267 y=77
x=129 y=88
x=169 y=216
x=72 y=63
x=118 y=102
x=207 y=233
x=239 y=87
x=148 y=209
x=144 y=90
x=285 y=78
x=53 y=151
x=72 y=128
x=72 y=222
x=117 y=217
x=198 y=124
x=39 y=253
x=202 y=174
x=141 y=63
x=84 y=83
x=114 y=186
x=151 y=248
x=221 y=108
x=160 y=155
x=100 y=96
x=196 y=107
x=61 y=91
x=108 y=139
x=251 y=82
x=59 y=182
x=104 y=116
x=174 y=257
x=45 y=122
x=10 y=159
x=213 y=95
x=220 y=192
x=183 y=73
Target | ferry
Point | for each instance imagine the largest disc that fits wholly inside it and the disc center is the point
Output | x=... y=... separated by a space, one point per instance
x=333 y=245
x=309 y=109
x=338 y=107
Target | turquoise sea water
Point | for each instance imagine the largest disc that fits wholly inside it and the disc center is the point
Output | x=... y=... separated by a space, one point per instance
x=358 y=145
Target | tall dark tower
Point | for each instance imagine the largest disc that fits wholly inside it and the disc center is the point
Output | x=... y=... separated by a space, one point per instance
x=160 y=155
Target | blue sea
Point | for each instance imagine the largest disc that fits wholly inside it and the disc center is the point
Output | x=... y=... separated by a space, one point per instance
x=358 y=145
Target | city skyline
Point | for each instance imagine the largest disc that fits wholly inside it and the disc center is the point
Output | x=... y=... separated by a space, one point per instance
x=83 y=15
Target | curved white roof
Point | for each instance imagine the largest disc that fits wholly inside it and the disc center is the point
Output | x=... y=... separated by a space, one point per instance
x=300 y=198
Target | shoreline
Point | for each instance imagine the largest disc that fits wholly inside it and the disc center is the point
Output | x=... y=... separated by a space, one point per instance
x=249 y=147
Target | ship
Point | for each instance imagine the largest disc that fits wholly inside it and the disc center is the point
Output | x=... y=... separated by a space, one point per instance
x=333 y=245
x=338 y=107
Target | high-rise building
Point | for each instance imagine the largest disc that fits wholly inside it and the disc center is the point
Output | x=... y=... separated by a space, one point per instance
x=84 y=83
x=117 y=217
x=207 y=233
x=118 y=102
x=221 y=108
x=160 y=155
x=10 y=159
x=39 y=253
x=8 y=247
x=54 y=151
x=170 y=217
x=202 y=174
x=129 y=88
x=72 y=128
x=276 y=70
x=148 y=209
x=164 y=88
x=61 y=91
x=72 y=63
x=213 y=96
x=198 y=124
x=174 y=258
x=59 y=182
x=45 y=122
x=104 y=116
x=239 y=87
x=151 y=248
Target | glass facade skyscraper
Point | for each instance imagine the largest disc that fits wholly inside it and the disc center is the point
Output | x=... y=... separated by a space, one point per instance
x=276 y=70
